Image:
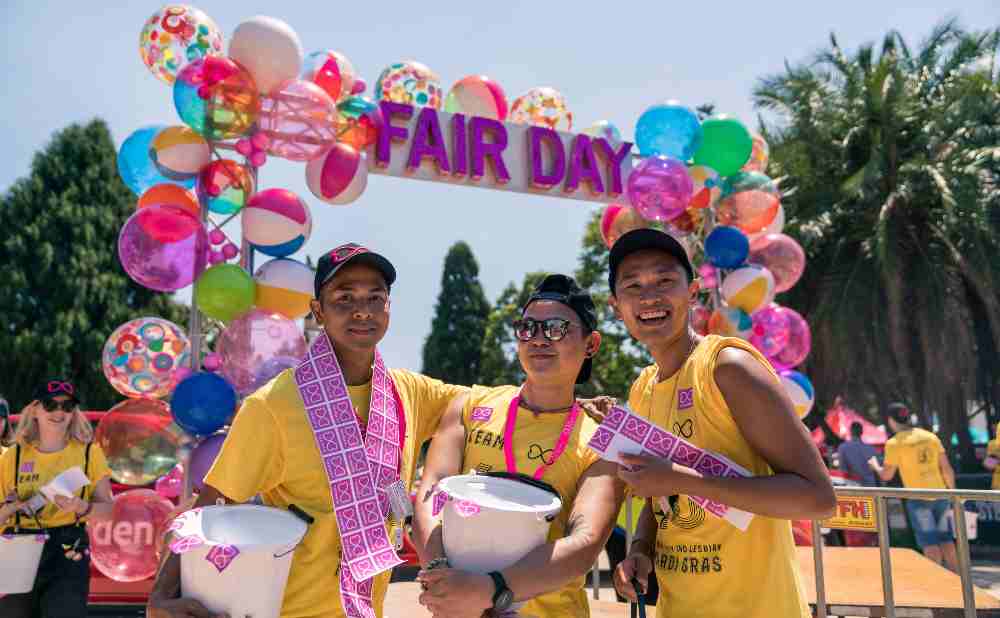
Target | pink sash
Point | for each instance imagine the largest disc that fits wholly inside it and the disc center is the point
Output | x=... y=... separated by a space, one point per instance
x=359 y=470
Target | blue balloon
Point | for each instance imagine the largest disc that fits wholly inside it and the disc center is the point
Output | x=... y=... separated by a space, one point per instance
x=668 y=129
x=202 y=403
x=136 y=166
x=727 y=247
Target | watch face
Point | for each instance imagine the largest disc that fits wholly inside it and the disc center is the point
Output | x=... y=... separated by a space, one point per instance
x=504 y=600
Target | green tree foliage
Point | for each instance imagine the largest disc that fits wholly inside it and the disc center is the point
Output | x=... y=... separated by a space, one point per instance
x=451 y=351
x=63 y=289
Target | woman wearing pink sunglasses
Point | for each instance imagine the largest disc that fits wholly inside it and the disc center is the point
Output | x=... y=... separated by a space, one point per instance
x=52 y=437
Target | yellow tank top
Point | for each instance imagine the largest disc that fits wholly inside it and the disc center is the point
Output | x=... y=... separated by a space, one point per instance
x=704 y=565
x=535 y=437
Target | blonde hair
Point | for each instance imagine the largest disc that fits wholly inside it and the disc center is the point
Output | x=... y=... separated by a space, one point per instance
x=27 y=427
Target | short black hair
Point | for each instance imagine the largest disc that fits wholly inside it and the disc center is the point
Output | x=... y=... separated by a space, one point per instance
x=899 y=412
x=857 y=429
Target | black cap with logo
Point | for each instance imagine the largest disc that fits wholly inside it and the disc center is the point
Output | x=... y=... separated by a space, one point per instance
x=351 y=253
x=565 y=290
x=641 y=239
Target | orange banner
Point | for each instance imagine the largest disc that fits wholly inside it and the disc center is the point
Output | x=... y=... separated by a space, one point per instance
x=854 y=514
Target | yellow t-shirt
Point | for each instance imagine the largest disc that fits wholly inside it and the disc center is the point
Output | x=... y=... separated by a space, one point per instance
x=993 y=450
x=37 y=469
x=534 y=439
x=916 y=453
x=704 y=565
x=270 y=450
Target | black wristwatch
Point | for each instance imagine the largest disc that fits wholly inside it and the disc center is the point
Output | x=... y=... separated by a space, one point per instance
x=503 y=598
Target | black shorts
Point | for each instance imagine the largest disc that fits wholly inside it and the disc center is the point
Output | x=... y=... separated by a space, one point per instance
x=61 y=585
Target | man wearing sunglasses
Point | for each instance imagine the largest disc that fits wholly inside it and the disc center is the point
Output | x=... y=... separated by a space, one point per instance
x=536 y=429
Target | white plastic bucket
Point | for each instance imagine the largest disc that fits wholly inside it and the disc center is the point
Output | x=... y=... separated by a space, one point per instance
x=513 y=519
x=947 y=523
x=19 y=558
x=253 y=584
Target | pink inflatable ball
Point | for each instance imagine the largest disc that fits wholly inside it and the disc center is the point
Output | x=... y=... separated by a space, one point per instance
x=212 y=362
x=700 y=316
x=799 y=344
x=253 y=339
x=331 y=71
x=163 y=247
x=618 y=220
x=770 y=330
x=139 y=440
x=659 y=188
x=709 y=275
x=782 y=256
x=339 y=176
x=125 y=547
x=270 y=369
x=202 y=458
x=299 y=120
x=171 y=485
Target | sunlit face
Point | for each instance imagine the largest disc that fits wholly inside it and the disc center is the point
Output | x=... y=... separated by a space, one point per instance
x=556 y=362
x=652 y=296
x=353 y=308
x=55 y=413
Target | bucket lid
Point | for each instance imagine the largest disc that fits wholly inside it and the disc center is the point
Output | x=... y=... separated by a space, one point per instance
x=500 y=494
x=241 y=526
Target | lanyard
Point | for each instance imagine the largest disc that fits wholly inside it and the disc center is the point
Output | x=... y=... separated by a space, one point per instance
x=508 y=437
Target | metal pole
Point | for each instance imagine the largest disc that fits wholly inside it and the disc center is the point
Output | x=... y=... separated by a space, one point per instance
x=968 y=596
x=883 y=549
x=595 y=577
x=817 y=533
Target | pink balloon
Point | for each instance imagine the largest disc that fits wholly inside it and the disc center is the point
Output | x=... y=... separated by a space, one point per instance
x=253 y=339
x=299 y=118
x=770 y=330
x=660 y=188
x=699 y=319
x=799 y=342
x=781 y=255
x=212 y=362
x=359 y=86
x=124 y=547
x=163 y=247
x=172 y=484
x=709 y=275
x=202 y=458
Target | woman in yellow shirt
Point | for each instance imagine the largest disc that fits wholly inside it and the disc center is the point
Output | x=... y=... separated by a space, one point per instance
x=535 y=428
x=53 y=436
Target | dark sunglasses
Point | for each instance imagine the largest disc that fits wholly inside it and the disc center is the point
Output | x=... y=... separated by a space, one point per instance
x=554 y=329
x=51 y=405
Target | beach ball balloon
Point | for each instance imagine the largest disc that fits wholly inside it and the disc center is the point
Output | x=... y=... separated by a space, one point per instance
x=174 y=36
x=331 y=71
x=783 y=256
x=225 y=186
x=606 y=130
x=179 y=153
x=135 y=165
x=410 y=83
x=618 y=220
x=659 y=188
x=542 y=107
x=253 y=339
x=760 y=154
x=202 y=458
x=751 y=203
x=269 y=49
x=799 y=343
x=700 y=316
x=284 y=286
x=800 y=391
x=725 y=145
x=668 y=129
x=174 y=195
x=202 y=403
x=224 y=291
x=299 y=120
x=477 y=95
x=750 y=288
x=139 y=440
x=726 y=247
x=163 y=247
x=146 y=357
x=359 y=121
x=770 y=330
x=217 y=97
x=707 y=186
x=338 y=177
x=125 y=547
x=276 y=222
x=730 y=322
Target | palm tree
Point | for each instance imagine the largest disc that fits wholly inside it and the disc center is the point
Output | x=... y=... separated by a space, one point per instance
x=891 y=158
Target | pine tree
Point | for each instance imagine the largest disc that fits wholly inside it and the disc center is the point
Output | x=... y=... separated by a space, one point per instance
x=452 y=349
x=62 y=288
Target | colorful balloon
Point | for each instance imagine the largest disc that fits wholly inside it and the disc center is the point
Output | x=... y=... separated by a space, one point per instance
x=750 y=288
x=725 y=145
x=542 y=107
x=617 y=221
x=284 y=286
x=726 y=247
x=276 y=222
x=707 y=186
x=202 y=458
x=253 y=339
x=477 y=95
x=163 y=247
x=700 y=316
x=225 y=186
x=358 y=122
x=782 y=256
x=688 y=222
x=203 y=403
x=411 y=83
x=269 y=49
x=668 y=129
x=760 y=154
x=659 y=188
x=799 y=342
x=224 y=291
x=270 y=369
x=607 y=130
x=173 y=195
x=750 y=202
x=800 y=391
x=135 y=165
x=775 y=227
x=730 y=322
x=299 y=120
x=174 y=36
x=179 y=153
x=146 y=357
x=331 y=71
x=217 y=98
x=171 y=485
x=125 y=546
x=709 y=275
x=140 y=440
x=338 y=177
x=770 y=330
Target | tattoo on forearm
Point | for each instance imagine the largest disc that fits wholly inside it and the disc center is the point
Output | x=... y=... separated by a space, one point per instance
x=577 y=524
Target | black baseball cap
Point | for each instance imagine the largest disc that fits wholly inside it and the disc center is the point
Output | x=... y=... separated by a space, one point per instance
x=565 y=290
x=899 y=412
x=351 y=253
x=645 y=238
x=54 y=387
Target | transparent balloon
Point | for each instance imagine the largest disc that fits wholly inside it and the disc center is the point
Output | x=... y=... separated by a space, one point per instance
x=799 y=343
x=358 y=122
x=174 y=36
x=136 y=166
x=163 y=247
x=542 y=107
x=617 y=220
x=216 y=97
x=125 y=546
x=225 y=186
x=202 y=458
x=750 y=202
x=139 y=440
x=668 y=129
x=146 y=357
x=783 y=256
x=660 y=188
x=253 y=339
x=410 y=83
x=299 y=119
x=770 y=330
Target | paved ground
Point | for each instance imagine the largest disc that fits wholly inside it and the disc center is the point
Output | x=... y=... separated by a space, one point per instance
x=986 y=575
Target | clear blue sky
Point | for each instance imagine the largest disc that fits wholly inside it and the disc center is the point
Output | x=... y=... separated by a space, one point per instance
x=72 y=61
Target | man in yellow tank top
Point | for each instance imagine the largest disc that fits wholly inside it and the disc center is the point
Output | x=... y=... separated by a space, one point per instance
x=721 y=395
x=538 y=430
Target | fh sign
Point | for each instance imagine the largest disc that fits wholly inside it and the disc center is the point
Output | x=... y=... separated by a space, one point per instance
x=854 y=514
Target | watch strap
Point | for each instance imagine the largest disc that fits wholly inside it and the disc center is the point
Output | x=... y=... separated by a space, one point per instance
x=500 y=585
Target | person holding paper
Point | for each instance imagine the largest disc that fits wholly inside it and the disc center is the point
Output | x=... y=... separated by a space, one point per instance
x=54 y=479
x=721 y=395
x=303 y=439
x=537 y=429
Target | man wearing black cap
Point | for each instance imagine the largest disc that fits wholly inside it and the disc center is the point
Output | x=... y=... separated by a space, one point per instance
x=920 y=458
x=537 y=429
x=721 y=395
x=337 y=437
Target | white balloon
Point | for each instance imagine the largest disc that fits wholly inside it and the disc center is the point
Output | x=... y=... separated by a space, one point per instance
x=269 y=49
x=356 y=165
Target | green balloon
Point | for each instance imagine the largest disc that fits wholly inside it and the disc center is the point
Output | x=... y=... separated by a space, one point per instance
x=224 y=292
x=725 y=145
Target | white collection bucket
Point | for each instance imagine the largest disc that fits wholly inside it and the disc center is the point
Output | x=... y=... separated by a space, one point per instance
x=253 y=583
x=512 y=519
x=947 y=523
x=19 y=558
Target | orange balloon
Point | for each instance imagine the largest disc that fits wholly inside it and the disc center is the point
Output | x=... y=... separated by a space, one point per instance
x=168 y=193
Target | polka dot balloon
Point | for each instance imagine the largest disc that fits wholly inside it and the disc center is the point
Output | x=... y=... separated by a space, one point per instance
x=146 y=357
x=411 y=83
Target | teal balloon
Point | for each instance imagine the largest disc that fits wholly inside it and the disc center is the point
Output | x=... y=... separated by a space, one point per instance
x=668 y=129
x=726 y=145
x=136 y=166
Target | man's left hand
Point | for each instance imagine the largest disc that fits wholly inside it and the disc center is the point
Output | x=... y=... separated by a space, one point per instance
x=652 y=477
x=456 y=594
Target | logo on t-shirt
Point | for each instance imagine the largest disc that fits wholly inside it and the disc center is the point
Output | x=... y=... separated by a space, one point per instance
x=482 y=414
x=27 y=467
x=685 y=398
